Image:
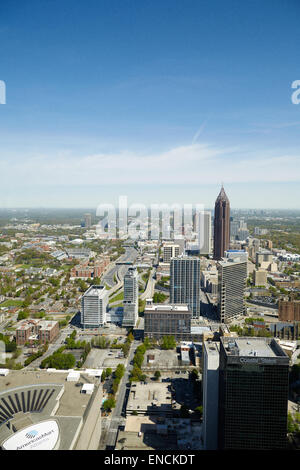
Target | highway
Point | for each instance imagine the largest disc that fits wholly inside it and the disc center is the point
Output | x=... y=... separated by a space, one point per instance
x=119 y=271
x=149 y=291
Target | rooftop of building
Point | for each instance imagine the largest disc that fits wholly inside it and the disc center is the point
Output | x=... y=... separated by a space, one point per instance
x=34 y=396
x=252 y=347
x=212 y=347
x=95 y=291
x=224 y=262
x=175 y=308
x=150 y=396
x=47 y=324
x=222 y=196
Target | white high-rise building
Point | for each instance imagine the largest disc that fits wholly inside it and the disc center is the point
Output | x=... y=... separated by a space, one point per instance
x=93 y=307
x=210 y=387
x=131 y=298
x=185 y=282
x=203 y=229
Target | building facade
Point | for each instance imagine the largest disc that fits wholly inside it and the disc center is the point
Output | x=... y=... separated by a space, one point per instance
x=131 y=298
x=203 y=229
x=210 y=389
x=232 y=278
x=93 y=307
x=170 y=250
x=30 y=330
x=221 y=225
x=167 y=320
x=185 y=283
x=253 y=394
x=289 y=310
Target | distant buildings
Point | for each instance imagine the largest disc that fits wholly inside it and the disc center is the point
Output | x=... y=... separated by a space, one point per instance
x=87 y=220
x=167 y=320
x=93 y=307
x=86 y=271
x=131 y=298
x=221 y=225
x=238 y=229
x=232 y=277
x=185 y=283
x=260 y=277
x=79 y=253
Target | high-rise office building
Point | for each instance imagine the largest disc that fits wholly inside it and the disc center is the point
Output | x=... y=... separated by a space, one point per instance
x=232 y=278
x=87 y=220
x=221 y=225
x=131 y=298
x=170 y=250
x=203 y=230
x=210 y=388
x=93 y=307
x=185 y=282
x=253 y=394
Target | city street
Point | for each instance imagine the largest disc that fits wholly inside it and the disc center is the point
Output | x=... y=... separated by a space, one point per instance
x=111 y=425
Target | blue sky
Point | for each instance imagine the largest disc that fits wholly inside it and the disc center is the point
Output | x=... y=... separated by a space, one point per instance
x=161 y=101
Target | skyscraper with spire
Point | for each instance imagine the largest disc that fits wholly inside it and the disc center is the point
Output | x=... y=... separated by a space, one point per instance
x=221 y=225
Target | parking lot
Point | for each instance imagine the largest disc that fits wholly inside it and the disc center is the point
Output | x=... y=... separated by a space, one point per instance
x=103 y=358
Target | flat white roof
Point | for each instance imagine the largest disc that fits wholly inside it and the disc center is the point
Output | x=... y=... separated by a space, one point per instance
x=88 y=387
x=94 y=372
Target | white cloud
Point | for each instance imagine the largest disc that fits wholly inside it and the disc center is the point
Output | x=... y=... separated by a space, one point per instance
x=191 y=164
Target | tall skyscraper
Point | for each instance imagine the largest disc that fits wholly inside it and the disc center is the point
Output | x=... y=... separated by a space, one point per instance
x=93 y=307
x=210 y=387
x=221 y=225
x=232 y=278
x=203 y=229
x=87 y=220
x=185 y=282
x=253 y=394
x=131 y=298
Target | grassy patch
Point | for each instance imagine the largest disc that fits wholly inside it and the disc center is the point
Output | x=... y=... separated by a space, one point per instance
x=117 y=297
x=11 y=303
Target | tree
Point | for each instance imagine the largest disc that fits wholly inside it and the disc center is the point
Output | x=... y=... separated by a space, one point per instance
x=168 y=342
x=157 y=374
x=130 y=337
x=109 y=404
x=199 y=410
x=119 y=372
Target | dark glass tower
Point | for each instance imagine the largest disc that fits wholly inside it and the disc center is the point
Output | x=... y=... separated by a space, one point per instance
x=253 y=394
x=221 y=225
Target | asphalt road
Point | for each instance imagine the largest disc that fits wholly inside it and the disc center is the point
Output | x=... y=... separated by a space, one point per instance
x=120 y=270
x=116 y=415
x=149 y=291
